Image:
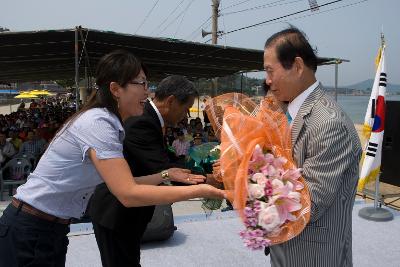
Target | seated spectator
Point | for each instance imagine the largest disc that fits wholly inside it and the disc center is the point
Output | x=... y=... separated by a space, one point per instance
x=182 y=128
x=32 y=145
x=198 y=127
x=33 y=104
x=17 y=142
x=7 y=150
x=211 y=136
x=40 y=140
x=180 y=145
x=197 y=139
x=205 y=116
x=189 y=135
x=199 y=130
x=46 y=133
x=192 y=124
x=20 y=122
x=23 y=134
x=21 y=106
x=169 y=136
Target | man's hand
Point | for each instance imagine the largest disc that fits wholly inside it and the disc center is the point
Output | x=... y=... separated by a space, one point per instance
x=217 y=171
x=214 y=182
x=184 y=176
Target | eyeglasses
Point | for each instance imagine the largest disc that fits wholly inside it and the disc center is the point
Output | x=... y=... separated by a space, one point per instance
x=142 y=83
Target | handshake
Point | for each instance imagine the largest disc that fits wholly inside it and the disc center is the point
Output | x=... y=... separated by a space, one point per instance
x=185 y=176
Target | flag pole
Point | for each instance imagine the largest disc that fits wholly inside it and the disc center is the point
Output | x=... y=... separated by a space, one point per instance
x=377 y=213
x=377 y=203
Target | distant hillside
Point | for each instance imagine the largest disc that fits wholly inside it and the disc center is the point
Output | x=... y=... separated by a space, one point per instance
x=367 y=84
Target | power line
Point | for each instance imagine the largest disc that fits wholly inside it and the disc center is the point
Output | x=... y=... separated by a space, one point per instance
x=176 y=18
x=312 y=14
x=200 y=36
x=242 y=2
x=273 y=4
x=328 y=10
x=170 y=14
x=148 y=14
x=198 y=28
x=285 y=16
x=185 y=11
x=192 y=34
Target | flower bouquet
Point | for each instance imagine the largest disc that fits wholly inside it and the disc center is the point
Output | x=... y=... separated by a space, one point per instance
x=273 y=198
x=258 y=170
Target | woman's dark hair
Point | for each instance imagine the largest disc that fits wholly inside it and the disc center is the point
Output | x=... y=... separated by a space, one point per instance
x=119 y=66
x=291 y=43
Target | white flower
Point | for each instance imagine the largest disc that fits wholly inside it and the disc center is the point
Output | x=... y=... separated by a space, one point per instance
x=269 y=219
x=256 y=191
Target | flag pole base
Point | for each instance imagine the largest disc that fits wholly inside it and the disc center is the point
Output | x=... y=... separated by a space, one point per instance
x=375 y=214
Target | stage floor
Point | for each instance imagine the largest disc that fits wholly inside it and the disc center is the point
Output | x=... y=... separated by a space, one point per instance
x=214 y=242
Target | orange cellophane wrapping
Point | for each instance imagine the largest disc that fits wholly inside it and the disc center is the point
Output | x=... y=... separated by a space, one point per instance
x=241 y=124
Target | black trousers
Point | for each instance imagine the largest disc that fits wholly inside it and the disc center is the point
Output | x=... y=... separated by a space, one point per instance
x=118 y=248
x=26 y=240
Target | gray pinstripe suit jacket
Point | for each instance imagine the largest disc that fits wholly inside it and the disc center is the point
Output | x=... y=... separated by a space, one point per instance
x=327 y=147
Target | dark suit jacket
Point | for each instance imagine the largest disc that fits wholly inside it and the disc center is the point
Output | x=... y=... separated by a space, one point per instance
x=146 y=154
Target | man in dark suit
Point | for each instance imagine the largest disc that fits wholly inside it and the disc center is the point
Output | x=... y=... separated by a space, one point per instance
x=325 y=145
x=118 y=229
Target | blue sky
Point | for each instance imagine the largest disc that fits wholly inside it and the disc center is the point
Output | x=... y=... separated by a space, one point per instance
x=351 y=32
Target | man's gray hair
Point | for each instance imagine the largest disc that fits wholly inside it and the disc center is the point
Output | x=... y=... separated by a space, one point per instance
x=178 y=86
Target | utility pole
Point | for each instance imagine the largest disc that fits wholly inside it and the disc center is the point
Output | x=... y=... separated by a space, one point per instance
x=214 y=29
x=214 y=40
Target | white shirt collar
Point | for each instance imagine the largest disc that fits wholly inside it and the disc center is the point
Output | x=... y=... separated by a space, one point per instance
x=294 y=106
x=158 y=113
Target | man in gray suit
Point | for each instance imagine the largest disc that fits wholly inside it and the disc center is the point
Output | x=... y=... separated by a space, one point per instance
x=327 y=147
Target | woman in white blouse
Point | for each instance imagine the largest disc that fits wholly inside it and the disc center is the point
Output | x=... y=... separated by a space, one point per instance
x=84 y=153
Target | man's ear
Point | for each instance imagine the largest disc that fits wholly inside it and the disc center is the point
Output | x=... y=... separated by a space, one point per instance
x=298 y=65
x=170 y=100
x=114 y=89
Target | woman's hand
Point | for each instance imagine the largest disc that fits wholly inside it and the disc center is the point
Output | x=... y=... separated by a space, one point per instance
x=208 y=191
x=184 y=176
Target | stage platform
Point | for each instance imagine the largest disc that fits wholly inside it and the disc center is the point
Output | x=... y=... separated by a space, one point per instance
x=214 y=242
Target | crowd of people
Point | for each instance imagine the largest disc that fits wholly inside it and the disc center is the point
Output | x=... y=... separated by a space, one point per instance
x=189 y=132
x=30 y=129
